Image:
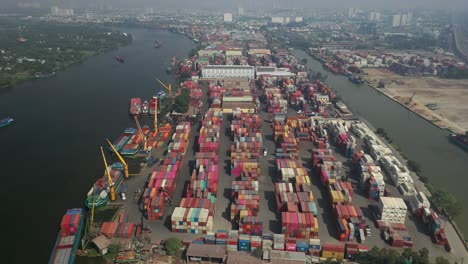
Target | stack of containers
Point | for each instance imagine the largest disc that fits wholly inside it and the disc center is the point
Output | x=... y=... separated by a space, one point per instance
x=246 y=132
x=195 y=214
x=350 y=224
x=326 y=165
x=279 y=241
x=340 y=191
x=232 y=241
x=267 y=242
x=314 y=247
x=191 y=220
x=162 y=182
x=118 y=229
x=333 y=251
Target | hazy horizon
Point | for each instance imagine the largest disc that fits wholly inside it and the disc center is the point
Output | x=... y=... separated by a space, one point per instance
x=233 y=4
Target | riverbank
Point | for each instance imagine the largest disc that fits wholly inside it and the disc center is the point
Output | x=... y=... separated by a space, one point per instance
x=448 y=97
x=31 y=48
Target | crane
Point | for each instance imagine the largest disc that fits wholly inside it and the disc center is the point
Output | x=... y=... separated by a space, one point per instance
x=109 y=178
x=120 y=158
x=142 y=135
x=156 y=107
x=168 y=87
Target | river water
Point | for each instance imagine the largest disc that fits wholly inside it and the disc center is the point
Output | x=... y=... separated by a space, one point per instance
x=445 y=164
x=50 y=156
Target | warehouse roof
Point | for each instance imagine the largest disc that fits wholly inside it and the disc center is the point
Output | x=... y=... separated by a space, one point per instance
x=228 y=67
x=286 y=257
x=235 y=257
x=206 y=251
x=101 y=242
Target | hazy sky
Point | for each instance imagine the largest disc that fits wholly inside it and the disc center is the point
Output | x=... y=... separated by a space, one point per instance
x=226 y=4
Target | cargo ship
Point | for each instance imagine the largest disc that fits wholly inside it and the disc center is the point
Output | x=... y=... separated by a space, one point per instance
x=145 y=108
x=119 y=59
x=123 y=139
x=99 y=193
x=460 y=140
x=135 y=106
x=134 y=144
x=6 y=121
x=152 y=105
x=355 y=79
x=68 y=238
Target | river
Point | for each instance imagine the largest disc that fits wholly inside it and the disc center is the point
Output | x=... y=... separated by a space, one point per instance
x=445 y=164
x=50 y=156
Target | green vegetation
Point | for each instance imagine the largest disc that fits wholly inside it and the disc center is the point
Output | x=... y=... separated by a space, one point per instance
x=446 y=201
x=28 y=48
x=173 y=245
x=182 y=101
x=405 y=42
x=384 y=134
x=304 y=61
x=414 y=166
x=113 y=250
x=456 y=73
x=391 y=256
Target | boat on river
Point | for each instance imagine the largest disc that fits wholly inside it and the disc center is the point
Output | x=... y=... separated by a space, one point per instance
x=40 y=75
x=100 y=192
x=145 y=108
x=120 y=59
x=6 y=121
x=460 y=140
x=68 y=238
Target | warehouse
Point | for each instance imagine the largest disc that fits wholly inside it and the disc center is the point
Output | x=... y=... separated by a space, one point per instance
x=206 y=252
x=228 y=71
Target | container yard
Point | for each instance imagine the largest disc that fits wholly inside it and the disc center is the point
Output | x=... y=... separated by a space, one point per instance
x=270 y=166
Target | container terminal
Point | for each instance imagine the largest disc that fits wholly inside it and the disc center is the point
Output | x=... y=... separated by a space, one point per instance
x=271 y=162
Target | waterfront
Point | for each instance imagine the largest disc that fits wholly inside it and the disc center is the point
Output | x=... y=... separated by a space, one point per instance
x=441 y=161
x=50 y=155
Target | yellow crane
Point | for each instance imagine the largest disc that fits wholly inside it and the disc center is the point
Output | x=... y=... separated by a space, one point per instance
x=120 y=158
x=142 y=135
x=168 y=87
x=109 y=178
x=156 y=107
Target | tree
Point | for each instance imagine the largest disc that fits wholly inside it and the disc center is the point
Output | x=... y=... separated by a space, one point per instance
x=304 y=61
x=441 y=260
x=173 y=245
x=414 y=166
x=423 y=256
x=447 y=202
x=182 y=101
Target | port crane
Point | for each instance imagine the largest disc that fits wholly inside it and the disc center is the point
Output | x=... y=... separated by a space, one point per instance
x=142 y=135
x=156 y=108
x=120 y=158
x=168 y=87
x=109 y=178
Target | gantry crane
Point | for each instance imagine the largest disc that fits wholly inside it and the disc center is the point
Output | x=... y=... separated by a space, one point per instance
x=109 y=178
x=142 y=134
x=168 y=87
x=120 y=158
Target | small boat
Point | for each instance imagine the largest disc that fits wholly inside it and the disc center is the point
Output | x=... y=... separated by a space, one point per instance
x=153 y=103
x=169 y=69
x=161 y=95
x=145 y=108
x=460 y=140
x=135 y=106
x=120 y=59
x=157 y=44
x=40 y=75
x=6 y=121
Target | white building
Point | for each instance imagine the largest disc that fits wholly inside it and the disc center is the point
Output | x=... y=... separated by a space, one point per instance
x=228 y=71
x=392 y=209
x=240 y=11
x=227 y=17
x=56 y=11
x=279 y=20
x=299 y=19
x=374 y=16
x=396 y=20
x=404 y=20
x=352 y=12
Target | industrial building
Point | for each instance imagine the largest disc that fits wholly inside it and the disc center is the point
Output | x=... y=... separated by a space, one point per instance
x=228 y=71
x=227 y=17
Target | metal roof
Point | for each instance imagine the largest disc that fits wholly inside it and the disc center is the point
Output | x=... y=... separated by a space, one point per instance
x=206 y=251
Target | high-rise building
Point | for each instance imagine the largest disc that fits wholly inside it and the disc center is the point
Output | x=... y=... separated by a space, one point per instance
x=410 y=18
x=240 y=11
x=352 y=12
x=396 y=20
x=278 y=20
x=227 y=17
x=298 y=19
x=56 y=11
x=374 y=16
x=404 y=20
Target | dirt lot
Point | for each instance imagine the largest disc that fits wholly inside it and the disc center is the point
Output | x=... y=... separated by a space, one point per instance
x=450 y=97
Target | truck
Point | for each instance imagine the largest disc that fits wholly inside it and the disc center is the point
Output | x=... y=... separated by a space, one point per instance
x=123 y=192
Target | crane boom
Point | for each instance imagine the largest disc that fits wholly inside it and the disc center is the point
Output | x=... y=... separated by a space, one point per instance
x=143 y=136
x=156 y=107
x=120 y=158
x=109 y=178
x=168 y=87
